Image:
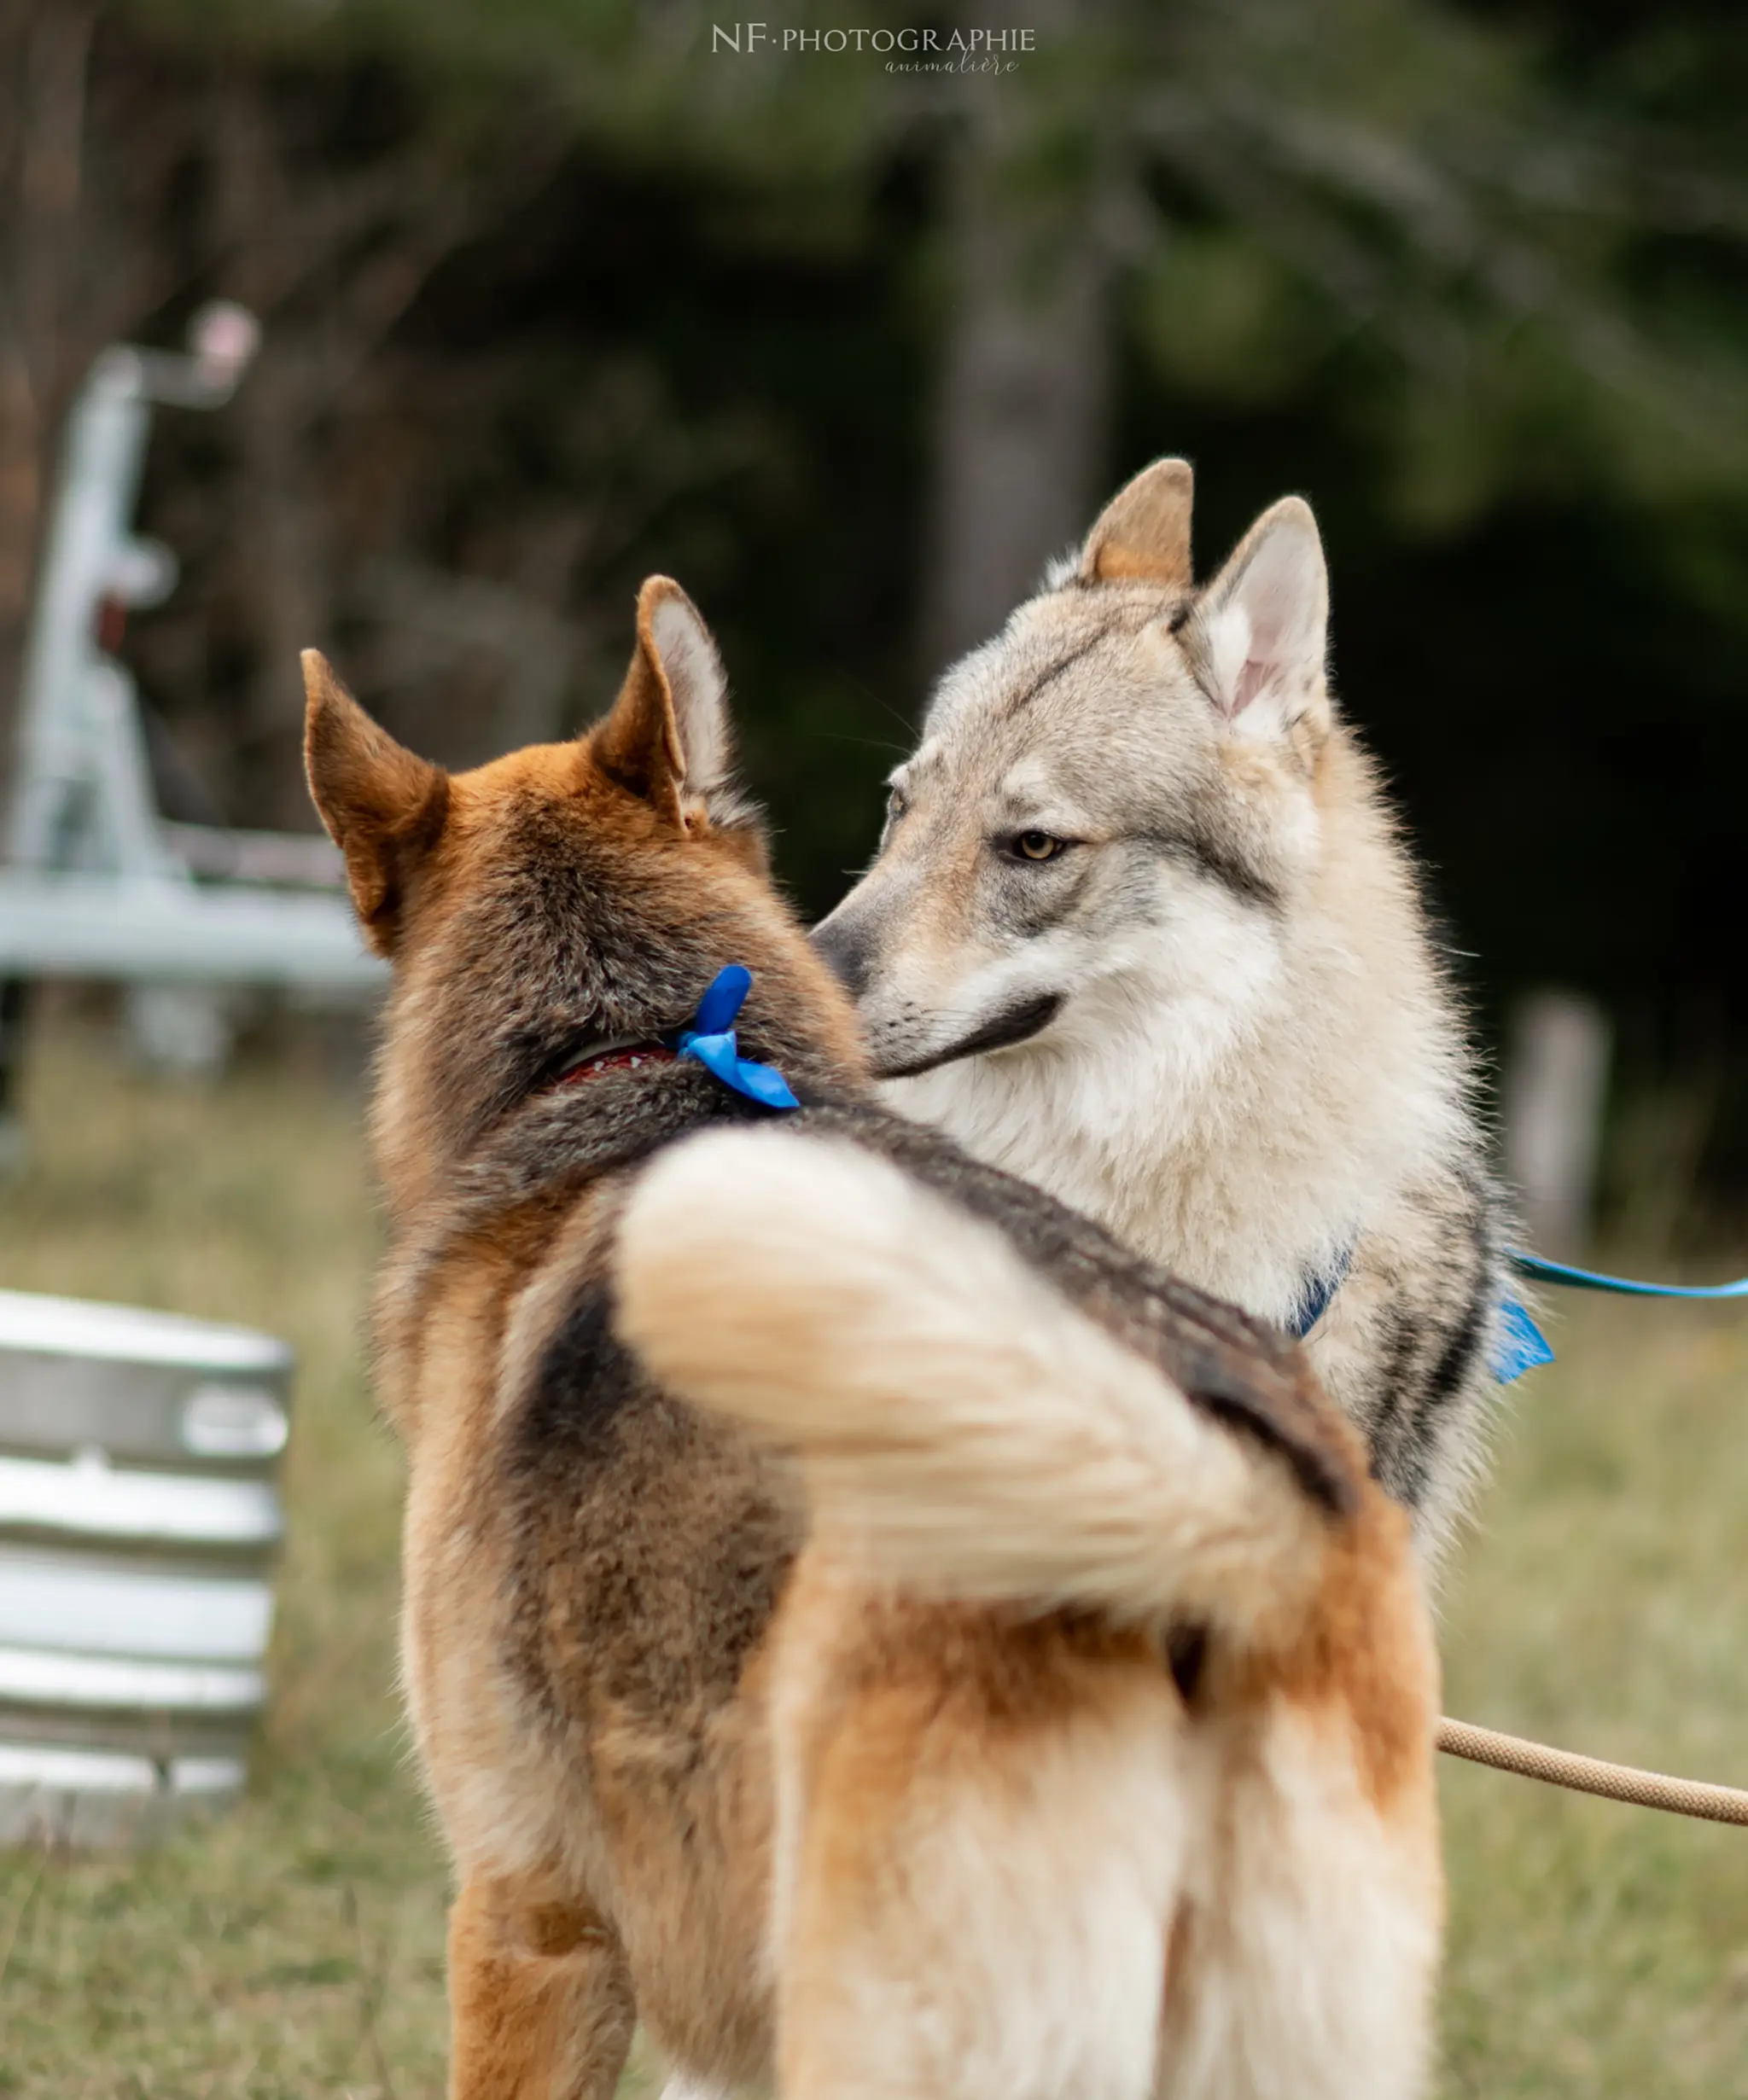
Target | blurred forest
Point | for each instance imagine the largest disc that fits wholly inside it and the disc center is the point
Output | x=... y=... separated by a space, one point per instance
x=556 y=292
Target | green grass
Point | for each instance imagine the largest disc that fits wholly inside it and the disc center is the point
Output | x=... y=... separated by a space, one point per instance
x=1597 y=1950
x=295 y=1948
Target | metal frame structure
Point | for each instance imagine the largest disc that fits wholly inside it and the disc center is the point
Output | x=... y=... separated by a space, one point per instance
x=96 y=884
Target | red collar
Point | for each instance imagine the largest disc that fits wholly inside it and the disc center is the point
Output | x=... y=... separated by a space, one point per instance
x=624 y=1060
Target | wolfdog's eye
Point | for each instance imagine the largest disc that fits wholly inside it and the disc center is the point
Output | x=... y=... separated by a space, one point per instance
x=895 y=805
x=1038 y=846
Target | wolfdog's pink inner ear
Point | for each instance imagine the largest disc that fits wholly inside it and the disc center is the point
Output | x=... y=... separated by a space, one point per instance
x=1143 y=533
x=1262 y=625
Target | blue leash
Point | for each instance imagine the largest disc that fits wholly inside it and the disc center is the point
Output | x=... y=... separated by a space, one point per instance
x=1518 y=1332
x=1521 y=1344
x=1540 y=1270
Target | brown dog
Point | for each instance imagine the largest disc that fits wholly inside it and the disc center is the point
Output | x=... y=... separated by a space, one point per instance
x=1086 y=1748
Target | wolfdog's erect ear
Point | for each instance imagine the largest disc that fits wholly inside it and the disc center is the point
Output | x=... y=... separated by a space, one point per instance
x=1258 y=633
x=667 y=736
x=1144 y=532
x=384 y=808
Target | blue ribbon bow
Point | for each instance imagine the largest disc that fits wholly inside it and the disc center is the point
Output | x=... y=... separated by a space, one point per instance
x=709 y=1039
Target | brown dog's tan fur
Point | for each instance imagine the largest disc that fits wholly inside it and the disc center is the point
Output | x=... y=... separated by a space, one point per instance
x=488 y=1242
x=676 y=1770
x=1204 y=1741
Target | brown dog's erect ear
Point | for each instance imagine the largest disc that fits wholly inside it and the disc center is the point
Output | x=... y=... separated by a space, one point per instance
x=384 y=808
x=668 y=739
x=1143 y=532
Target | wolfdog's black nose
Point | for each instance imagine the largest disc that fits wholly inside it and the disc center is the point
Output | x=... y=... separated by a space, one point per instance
x=845 y=950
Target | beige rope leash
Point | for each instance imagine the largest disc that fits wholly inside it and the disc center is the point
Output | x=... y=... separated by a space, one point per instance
x=1590 y=1775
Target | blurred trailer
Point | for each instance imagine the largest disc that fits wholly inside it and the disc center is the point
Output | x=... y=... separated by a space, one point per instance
x=94 y=883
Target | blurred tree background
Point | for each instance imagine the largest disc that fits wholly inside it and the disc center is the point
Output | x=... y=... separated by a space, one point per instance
x=555 y=291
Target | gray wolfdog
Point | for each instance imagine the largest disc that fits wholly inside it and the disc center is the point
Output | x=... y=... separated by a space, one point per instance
x=1142 y=929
